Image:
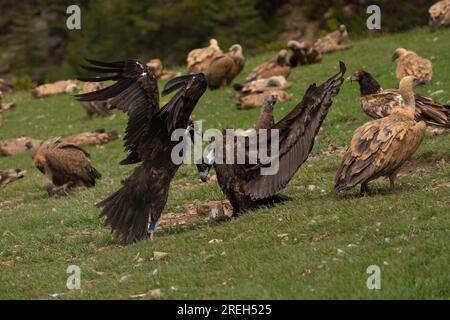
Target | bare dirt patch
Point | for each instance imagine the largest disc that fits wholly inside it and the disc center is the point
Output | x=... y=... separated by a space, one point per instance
x=423 y=166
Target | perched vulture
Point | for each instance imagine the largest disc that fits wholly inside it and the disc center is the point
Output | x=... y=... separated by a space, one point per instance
x=49 y=89
x=135 y=208
x=410 y=64
x=224 y=68
x=439 y=15
x=302 y=53
x=254 y=93
x=266 y=119
x=156 y=66
x=64 y=166
x=277 y=66
x=101 y=108
x=380 y=147
x=98 y=137
x=333 y=41
x=198 y=60
x=379 y=103
x=8 y=176
x=244 y=184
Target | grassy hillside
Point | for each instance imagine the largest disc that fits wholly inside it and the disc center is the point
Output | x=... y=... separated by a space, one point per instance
x=330 y=242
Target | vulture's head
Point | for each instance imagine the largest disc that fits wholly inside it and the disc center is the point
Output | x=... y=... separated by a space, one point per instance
x=295 y=45
x=270 y=102
x=213 y=42
x=398 y=53
x=343 y=30
x=358 y=76
x=282 y=57
x=236 y=49
x=367 y=83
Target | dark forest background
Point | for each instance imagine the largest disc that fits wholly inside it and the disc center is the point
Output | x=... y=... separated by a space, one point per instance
x=36 y=44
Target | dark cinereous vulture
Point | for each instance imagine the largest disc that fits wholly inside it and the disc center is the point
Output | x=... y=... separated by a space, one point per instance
x=97 y=107
x=266 y=119
x=64 y=165
x=439 y=15
x=380 y=147
x=148 y=140
x=379 y=103
x=243 y=184
x=410 y=64
x=11 y=175
x=302 y=53
x=277 y=66
x=224 y=68
x=199 y=60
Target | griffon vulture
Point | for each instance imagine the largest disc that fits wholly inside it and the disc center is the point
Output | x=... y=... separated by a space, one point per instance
x=378 y=103
x=224 y=68
x=243 y=184
x=410 y=64
x=64 y=166
x=101 y=108
x=58 y=87
x=277 y=66
x=8 y=176
x=198 y=60
x=302 y=53
x=380 y=147
x=333 y=41
x=439 y=15
x=135 y=208
x=156 y=66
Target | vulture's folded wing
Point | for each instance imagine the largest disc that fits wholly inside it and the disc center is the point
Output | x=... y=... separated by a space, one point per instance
x=297 y=131
x=432 y=112
x=134 y=92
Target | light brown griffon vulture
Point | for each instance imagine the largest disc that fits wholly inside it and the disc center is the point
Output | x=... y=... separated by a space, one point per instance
x=101 y=108
x=439 y=15
x=198 y=60
x=302 y=53
x=156 y=66
x=8 y=176
x=254 y=93
x=379 y=103
x=380 y=147
x=64 y=166
x=277 y=66
x=58 y=87
x=333 y=41
x=410 y=64
x=224 y=68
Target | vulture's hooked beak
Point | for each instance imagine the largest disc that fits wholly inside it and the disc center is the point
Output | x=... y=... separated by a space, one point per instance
x=395 y=56
x=351 y=78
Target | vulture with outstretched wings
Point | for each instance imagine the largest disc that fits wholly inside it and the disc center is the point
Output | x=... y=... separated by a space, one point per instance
x=144 y=194
x=379 y=103
x=243 y=184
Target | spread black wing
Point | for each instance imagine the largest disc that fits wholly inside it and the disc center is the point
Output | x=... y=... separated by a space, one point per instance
x=134 y=92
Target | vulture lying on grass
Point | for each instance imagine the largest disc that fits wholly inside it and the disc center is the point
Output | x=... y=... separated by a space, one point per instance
x=64 y=166
x=380 y=147
x=379 y=103
x=410 y=64
x=101 y=108
x=134 y=209
x=243 y=184
x=254 y=93
x=58 y=87
x=277 y=66
x=199 y=60
x=156 y=66
x=8 y=176
x=225 y=67
x=333 y=41
x=439 y=15
x=302 y=53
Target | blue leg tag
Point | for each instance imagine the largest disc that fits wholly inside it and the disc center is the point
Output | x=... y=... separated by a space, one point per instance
x=152 y=226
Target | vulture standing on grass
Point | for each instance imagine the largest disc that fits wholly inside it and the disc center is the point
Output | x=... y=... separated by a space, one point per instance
x=198 y=60
x=243 y=184
x=98 y=107
x=302 y=53
x=380 y=147
x=64 y=166
x=224 y=68
x=277 y=66
x=8 y=176
x=410 y=64
x=379 y=103
x=439 y=15
x=333 y=41
x=134 y=209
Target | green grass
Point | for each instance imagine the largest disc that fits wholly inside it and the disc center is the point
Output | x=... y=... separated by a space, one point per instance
x=405 y=233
